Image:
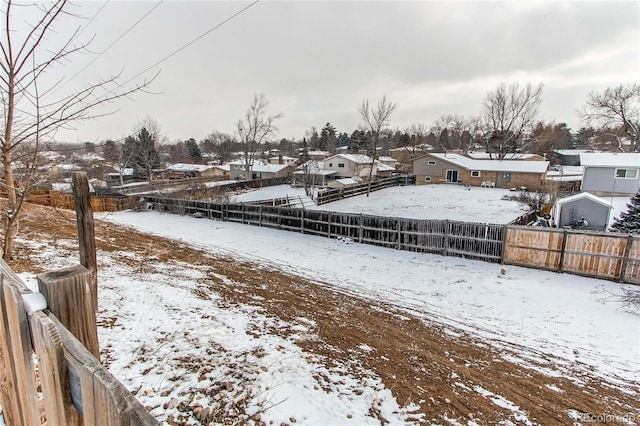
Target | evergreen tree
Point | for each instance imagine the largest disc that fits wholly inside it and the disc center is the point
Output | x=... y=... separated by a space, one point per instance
x=629 y=221
x=146 y=155
x=328 y=138
x=193 y=150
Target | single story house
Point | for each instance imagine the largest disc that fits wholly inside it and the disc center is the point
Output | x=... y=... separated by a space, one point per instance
x=350 y=165
x=610 y=174
x=595 y=210
x=457 y=169
x=259 y=170
x=184 y=170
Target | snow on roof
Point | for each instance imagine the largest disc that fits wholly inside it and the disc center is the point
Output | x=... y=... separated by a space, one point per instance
x=268 y=168
x=494 y=165
x=385 y=167
x=354 y=158
x=385 y=158
x=582 y=195
x=349 y=181
x=571 y=151
x=184 y=167
x=610 y=159
x=313 y=167
x=128 y=171
x=482 y=155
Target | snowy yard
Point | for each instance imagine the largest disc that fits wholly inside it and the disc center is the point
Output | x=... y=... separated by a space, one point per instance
x=453 y=202
x=561 y=325
x=171 y=341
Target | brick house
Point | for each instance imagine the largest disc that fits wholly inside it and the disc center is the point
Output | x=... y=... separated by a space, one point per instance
x=437 y=168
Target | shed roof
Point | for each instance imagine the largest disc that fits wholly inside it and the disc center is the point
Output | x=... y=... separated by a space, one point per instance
x=582 y=195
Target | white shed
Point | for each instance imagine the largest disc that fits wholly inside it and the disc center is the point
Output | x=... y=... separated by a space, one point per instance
x=595 y=210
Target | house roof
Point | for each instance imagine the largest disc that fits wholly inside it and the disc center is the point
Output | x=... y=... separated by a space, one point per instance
x=183 y=167
x=314 y=167
x=582 y=195
x=610 y=159
x=384 y=158
x=385 y=167
x=482 y=155
x=354 y=158
x=492 y=165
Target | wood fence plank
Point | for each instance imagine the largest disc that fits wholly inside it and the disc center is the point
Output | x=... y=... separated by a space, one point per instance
x=54 y=376
x=9 y=394
x=79 y=358
x=103 y=400
x=20 y=352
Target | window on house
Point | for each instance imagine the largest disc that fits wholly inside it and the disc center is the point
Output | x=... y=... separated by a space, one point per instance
x=431 y=162
x=475 y=173
x=236 y=166
x=627 y=173
x=427 y=178
x=330 y=164
x=341 y=165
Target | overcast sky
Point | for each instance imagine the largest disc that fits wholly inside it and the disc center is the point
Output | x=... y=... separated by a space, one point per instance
x=316 y=61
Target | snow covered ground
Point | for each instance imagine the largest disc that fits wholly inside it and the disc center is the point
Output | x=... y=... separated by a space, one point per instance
x=578 y=320
x=453 y=202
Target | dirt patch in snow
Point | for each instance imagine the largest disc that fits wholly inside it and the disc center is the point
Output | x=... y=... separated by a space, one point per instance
x=447 y=373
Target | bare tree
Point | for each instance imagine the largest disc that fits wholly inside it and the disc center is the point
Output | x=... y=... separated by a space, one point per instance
x=508 y=112
x=417 y=136
x=375 y=120
x=221 y=144
x=617 y=106
x=255 y=129
x=30 y=110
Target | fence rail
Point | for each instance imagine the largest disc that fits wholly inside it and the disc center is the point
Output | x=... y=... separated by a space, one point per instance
x=75 y=388
x=330 y=195
x=593 y=254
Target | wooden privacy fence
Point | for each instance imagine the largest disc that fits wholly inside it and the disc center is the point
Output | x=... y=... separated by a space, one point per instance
x=58 y=324
x=610 y=256
x=328 y=195
x=99 y=203
x=594 y=254
x=470 y=240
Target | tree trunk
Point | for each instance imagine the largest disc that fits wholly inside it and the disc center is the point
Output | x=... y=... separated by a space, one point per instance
x=11 y=215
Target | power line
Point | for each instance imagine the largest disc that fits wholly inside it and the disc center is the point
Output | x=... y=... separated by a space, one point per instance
x=114 y=42
x=91 y=20
x=193 y=41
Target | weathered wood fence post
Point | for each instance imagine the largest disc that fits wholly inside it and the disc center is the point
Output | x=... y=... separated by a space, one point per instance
x=86 y=232
x=70 y=299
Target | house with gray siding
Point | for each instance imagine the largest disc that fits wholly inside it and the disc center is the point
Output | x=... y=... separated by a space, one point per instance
x=610 y=174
